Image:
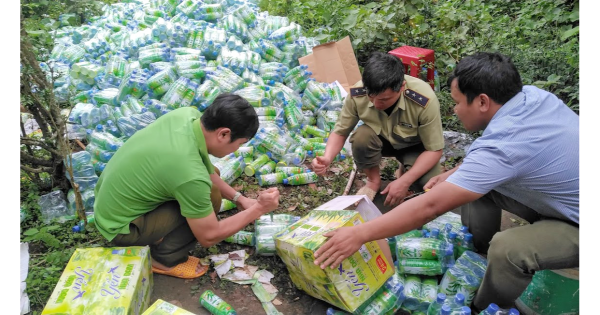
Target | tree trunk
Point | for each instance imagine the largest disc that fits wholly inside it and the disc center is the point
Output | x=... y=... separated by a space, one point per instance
x=45 y=155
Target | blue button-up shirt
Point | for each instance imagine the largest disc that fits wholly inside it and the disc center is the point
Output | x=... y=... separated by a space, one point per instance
x=530 y=153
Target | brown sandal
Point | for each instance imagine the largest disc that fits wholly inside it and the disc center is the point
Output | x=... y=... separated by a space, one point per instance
x=370 y=193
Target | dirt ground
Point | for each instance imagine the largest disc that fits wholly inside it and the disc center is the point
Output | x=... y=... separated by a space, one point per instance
x=186 y=293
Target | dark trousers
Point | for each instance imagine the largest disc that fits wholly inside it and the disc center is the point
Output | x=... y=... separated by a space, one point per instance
x=514 y=255
x=368 y=148
x=166 y=223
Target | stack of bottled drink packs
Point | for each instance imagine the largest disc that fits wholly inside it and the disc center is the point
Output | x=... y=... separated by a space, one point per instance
x=140 y=60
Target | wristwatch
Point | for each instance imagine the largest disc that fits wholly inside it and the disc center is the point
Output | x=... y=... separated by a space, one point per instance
x=236 y=196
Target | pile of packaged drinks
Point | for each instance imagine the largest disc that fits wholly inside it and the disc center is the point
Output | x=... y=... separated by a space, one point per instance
x=437 y=272
x=141 y=59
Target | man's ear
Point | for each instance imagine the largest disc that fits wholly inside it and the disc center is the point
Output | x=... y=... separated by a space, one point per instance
x=224 y=134
x=483 y=102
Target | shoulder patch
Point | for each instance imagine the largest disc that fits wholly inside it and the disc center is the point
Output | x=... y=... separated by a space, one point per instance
x=355 y=92
x=416 y=97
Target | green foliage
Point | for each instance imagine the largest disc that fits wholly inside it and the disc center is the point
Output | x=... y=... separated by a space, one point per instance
x=541 y=36
x=43 y=235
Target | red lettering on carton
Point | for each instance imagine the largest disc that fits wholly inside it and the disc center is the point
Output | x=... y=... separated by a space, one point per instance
x=381 y=264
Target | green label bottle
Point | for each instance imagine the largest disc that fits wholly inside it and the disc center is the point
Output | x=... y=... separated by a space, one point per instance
x=215 y=305
x=256 y=164
x=242 y=238
x=271 y=179
x=302 y=179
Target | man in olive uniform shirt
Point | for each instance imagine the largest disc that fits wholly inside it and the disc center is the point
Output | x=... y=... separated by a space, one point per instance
x=401 y=116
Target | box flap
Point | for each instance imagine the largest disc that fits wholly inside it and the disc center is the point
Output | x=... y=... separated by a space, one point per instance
x=334 y=61
x=367 y=209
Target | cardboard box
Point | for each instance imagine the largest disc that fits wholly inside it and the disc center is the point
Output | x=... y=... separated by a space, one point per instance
x=356 y=279
x=114 y=280
x=334 y=61
x=161 y=307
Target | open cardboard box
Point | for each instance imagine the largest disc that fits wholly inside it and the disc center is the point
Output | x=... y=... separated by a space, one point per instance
x=333 y=61
x=358 y=278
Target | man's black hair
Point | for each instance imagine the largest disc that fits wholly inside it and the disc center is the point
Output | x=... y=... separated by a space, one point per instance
x=487 y=73
x=381 y=72
x=234 y=112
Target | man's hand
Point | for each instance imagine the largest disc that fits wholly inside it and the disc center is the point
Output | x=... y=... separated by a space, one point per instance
x=244 y=203
x=342 y=243
x=436 y=180
x=320 y=164
x=397 y=191
x=268 y=200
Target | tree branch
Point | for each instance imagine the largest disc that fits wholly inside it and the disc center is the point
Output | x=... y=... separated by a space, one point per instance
x=42 y=144
x=36 y=170
x=33 y=160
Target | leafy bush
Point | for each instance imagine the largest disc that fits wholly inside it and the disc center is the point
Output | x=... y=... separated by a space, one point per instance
x=541 y=36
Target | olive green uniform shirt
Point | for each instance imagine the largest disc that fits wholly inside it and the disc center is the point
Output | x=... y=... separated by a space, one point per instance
x=167 y=160
x=409 y=124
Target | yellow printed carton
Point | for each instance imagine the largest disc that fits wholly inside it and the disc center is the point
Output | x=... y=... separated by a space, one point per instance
x=351 y=283
x=104 y=281
x=161 y=307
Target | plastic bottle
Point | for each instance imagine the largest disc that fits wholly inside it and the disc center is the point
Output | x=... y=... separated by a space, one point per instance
x=457 y=302
x=332 y=311
x=445 y=310
x=314 y=131
x=466 y=244
x=436 y=306
x=434 y=233
x=104 y=140
x=256 y=164
x=215 y=305
x=301 y=179
x=290 y=170
x=227 y=204
x=266 y=169
x=490 y=310
x=80 y=226
x=465 y=310
x=271 y=179
x=241 y=238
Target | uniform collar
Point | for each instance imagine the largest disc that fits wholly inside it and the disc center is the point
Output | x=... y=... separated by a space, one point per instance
x=201 y=144
x=400 y=103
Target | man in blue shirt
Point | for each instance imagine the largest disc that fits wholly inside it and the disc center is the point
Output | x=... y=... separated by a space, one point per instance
x=526 y=162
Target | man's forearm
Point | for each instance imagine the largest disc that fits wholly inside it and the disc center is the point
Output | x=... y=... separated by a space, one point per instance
x=335 y=143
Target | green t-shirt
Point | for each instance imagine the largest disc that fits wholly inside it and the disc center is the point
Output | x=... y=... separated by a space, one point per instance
x=167 y=160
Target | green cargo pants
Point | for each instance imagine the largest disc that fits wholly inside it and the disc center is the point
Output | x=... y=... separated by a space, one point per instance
x=514 y=255
x=166 y=231
x=368 y=148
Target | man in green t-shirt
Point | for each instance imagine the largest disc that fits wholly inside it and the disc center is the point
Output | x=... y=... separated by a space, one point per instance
x=160 y=188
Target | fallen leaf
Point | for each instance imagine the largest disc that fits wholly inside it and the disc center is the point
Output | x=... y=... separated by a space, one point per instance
x=276 y=302
x=296 y=299
x=329 y=191
x=312 y=186
x=336 y=170
x=292 y=208
x=176 y=303
x=238 y=187
x=213 y=276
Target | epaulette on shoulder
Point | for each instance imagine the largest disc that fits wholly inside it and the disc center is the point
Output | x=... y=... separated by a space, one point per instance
x=358 y=91
x=420 y=99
